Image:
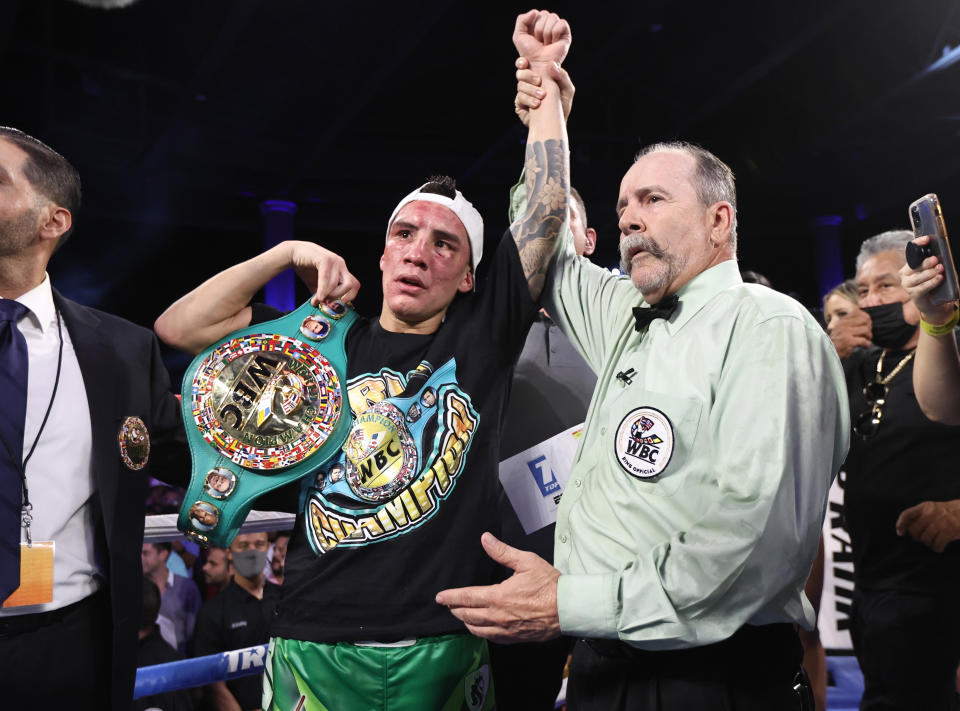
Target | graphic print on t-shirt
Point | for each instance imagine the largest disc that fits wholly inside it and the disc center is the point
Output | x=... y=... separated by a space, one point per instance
x=407 y=447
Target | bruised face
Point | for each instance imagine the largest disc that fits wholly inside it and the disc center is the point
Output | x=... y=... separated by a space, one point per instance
x=664 y=229
x=425 y=263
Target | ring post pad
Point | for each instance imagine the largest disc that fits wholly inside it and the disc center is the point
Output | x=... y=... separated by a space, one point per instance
x=262 y=408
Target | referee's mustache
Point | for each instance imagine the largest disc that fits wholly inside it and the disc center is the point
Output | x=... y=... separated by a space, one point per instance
x=634 y=243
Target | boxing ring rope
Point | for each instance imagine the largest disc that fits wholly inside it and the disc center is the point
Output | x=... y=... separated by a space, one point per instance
x=163 y=527
x=199 y=671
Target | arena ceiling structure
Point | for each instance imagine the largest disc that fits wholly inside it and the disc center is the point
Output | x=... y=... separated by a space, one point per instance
x=184 y=116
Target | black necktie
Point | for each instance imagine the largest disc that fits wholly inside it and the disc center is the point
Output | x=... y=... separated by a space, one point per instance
x=664 y=309
x=13 y=414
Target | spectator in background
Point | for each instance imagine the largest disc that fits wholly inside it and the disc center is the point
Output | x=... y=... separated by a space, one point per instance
x=176 y=563
x=239 y=616
x=853 y=329
x=180 y=598
x=840 y=302
x=164 y=499
x=936 y=376
x=153 y=649
x=902 y=500
x=278 y=557
x=216 y=571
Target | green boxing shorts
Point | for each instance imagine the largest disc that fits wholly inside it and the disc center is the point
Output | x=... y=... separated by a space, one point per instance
x=447 y=673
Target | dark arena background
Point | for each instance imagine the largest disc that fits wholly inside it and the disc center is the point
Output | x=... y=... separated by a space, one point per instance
x=183 y=117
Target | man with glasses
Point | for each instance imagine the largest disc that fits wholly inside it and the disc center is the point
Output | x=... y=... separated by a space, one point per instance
x=902 y=502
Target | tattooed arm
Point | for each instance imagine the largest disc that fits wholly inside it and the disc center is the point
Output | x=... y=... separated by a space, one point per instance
x=543 y=39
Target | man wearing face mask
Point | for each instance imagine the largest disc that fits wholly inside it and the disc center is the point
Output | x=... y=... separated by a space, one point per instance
x=238 y=616
x=902 y=503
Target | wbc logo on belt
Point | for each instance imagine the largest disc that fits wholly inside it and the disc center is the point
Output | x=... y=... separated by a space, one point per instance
x=643 y=444
x=266 y=401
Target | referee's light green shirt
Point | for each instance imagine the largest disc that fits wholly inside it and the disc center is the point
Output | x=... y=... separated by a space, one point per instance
x=699 y=490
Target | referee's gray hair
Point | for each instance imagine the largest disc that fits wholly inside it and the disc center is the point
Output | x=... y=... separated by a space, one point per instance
x=889 y=241
x=713 y=179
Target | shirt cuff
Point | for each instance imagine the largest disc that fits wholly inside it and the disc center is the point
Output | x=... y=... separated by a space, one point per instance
x=589 y=605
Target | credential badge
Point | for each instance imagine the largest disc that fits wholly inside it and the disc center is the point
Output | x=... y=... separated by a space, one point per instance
x=134 y=442
x=644 y=442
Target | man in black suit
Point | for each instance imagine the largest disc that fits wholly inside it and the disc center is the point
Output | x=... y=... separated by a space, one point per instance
x=85 y=413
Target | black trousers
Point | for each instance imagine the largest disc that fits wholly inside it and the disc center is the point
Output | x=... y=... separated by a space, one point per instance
x=527 y=677
x=58 y=659
x=908 y=646
x=754 y=670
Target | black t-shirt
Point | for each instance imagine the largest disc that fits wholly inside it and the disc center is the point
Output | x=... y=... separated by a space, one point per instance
x=426 y=537
x=234 y=619
x=908 y=461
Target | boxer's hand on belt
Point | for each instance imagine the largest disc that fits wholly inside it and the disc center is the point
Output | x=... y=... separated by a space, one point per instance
x=324 y=272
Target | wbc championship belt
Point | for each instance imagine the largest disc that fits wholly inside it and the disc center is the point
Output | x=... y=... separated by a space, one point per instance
x=262 y=409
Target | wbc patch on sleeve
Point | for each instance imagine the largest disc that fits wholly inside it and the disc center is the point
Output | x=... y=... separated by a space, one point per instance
x=643 y=443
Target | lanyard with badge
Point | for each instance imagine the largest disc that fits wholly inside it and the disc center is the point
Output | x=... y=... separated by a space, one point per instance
x=36 y=557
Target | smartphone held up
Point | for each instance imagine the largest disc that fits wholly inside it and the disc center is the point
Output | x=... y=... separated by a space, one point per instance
x=926 y=217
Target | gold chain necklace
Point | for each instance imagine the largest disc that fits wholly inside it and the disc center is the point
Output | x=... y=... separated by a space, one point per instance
x=900 y=365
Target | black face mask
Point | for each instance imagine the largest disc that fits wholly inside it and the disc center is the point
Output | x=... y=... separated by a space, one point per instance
x=890 y=329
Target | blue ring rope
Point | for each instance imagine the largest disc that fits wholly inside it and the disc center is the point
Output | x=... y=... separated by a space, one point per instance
x=198 y=671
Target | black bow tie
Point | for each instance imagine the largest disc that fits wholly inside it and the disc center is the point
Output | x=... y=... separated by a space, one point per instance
x=664 y=309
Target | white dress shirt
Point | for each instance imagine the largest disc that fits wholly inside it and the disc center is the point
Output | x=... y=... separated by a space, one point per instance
x=60 y=472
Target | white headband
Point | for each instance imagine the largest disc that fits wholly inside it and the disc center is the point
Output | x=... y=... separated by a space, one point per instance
x=461 y=207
